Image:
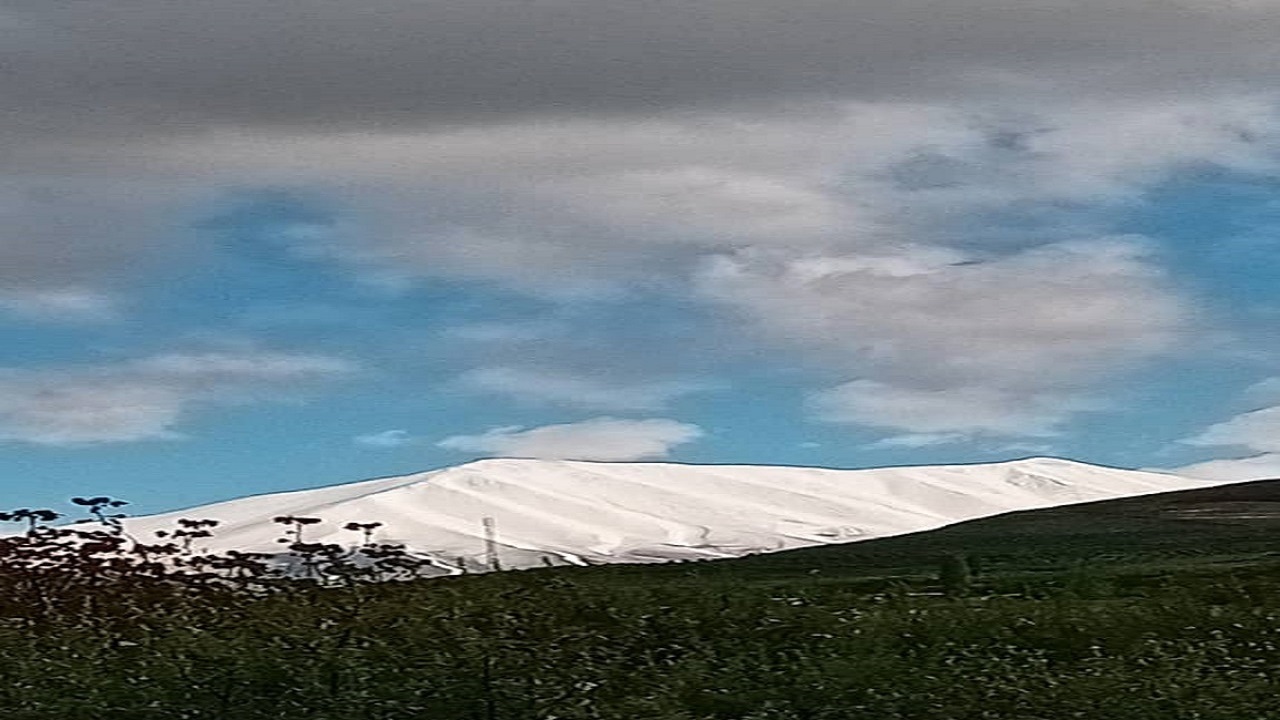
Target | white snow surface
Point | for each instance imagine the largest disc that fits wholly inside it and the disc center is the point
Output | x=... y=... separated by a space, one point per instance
x=548 y=512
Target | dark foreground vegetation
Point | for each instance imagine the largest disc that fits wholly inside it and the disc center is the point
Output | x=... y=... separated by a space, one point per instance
x=1155 y=608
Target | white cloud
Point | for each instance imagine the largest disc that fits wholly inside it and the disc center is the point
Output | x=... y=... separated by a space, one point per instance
x=214 y=367
x=934 y=416
x=1104 y=151
x=60 y=304
x=145 y=399
x=1256 y=431
x=928 y=314
x=500 y=333
x=1265 y=392
x=385 y=439
x=604 y=439
x=943 y=343
x=587 y=204
x=692 y=202
x=917 y=440
x=581 y=391
x=1265 y=466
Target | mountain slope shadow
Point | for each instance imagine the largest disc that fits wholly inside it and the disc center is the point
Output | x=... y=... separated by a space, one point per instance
x=1226 y=524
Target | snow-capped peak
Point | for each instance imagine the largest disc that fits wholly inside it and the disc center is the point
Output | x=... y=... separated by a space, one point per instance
x=557 y=512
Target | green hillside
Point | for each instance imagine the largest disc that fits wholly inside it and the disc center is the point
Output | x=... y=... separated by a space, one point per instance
x=1207 y=527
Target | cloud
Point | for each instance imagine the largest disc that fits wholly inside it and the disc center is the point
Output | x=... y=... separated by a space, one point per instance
x=892 y=190
x=439 y=161
x=1265 y=466
x=145 y=399
x=917 y=440
x=945 y=315
x=588 y=206
x=1256 y=431
x=385 y=439
x=943 y=343
x=935 y=416
x=406 y=63
x=583 y=206
x=1264 y=392
x=71 y=240
x=62 y=304
x=603 y=438
x=581 y=391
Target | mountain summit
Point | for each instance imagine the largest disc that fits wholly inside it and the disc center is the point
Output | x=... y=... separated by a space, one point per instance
x=529 y=513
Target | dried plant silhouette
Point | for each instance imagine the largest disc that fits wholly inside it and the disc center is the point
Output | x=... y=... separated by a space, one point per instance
x=95 y=567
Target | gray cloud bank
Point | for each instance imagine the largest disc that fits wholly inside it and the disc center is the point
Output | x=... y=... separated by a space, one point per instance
x=125 y=66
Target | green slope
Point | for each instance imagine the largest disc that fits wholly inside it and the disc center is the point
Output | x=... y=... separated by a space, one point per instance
x=1219 y=526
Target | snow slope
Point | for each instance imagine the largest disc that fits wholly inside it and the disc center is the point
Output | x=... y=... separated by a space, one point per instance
x=569 y=512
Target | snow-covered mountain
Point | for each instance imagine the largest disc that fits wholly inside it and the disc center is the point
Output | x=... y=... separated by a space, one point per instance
x=567 y=512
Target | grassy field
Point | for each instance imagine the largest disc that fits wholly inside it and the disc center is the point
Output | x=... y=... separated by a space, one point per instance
x=1162 y=607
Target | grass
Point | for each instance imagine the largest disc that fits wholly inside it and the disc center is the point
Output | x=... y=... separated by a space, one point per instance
x=1163 y=607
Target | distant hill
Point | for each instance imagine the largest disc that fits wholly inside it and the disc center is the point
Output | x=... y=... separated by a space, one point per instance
x=541 y=512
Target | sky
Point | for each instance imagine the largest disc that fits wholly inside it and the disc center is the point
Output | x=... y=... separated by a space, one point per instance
x=258 y=246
